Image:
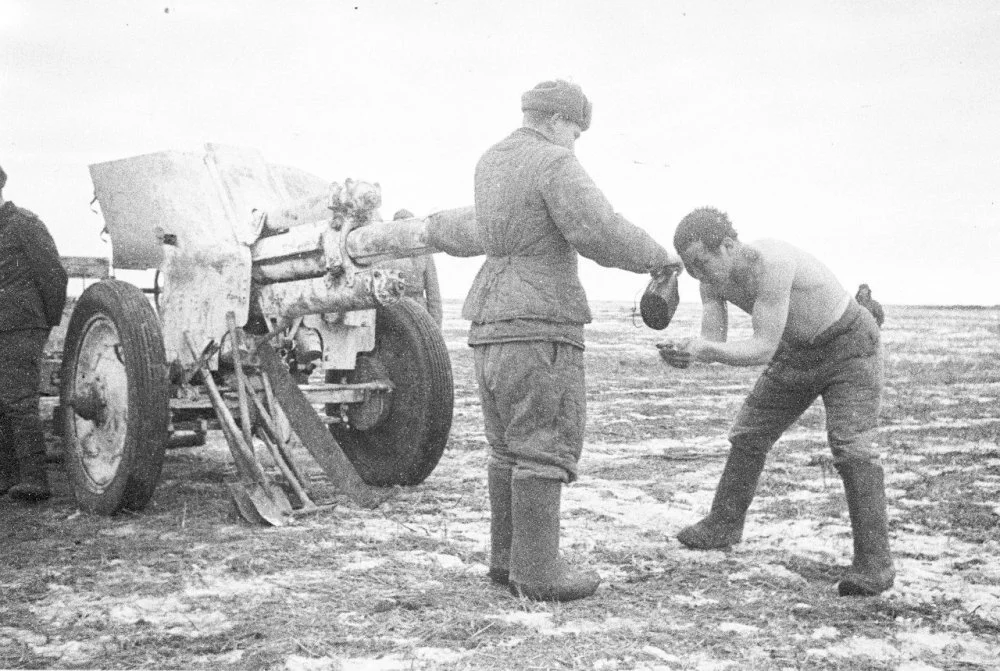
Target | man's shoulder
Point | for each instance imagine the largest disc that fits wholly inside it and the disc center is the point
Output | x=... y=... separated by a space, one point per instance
x=771 y=253
x=773 y=246
x=14 y=213
x=528 y=141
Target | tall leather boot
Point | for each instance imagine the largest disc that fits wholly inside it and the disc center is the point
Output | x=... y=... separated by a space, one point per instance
x=8 y=468
x=501 y=525
x=34 y=482
x=536 y=570
x=871 y=571
x=724 y=525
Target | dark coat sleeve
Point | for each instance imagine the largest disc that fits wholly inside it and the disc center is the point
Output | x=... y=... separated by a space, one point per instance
x=43 y=258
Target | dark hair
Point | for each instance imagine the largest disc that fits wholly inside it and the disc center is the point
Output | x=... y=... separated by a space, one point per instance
x=3 y=178
x=706 y=224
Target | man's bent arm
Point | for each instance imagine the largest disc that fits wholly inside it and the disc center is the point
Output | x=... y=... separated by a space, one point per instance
x=769 y=316
x=714 y=316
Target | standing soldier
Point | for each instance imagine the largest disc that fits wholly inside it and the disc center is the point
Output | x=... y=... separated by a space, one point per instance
x=32 y=295
x=816 y=341
x=421 y=278
x=865 y=300
x=536 y=210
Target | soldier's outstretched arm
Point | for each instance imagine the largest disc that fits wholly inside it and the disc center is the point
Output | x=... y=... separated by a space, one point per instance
x=589 y=222
x=454 y=232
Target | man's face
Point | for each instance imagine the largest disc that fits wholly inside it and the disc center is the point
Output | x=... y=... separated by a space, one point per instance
x=707 y=266
x=565 y=132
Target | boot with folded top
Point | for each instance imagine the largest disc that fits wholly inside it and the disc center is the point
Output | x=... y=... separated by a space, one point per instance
x=33 y=482
x=724 y=525
x=872 y=571
x=501 y=526
x=536 y=570
x=8 y=470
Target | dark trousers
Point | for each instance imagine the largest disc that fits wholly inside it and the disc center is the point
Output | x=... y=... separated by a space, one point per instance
x=844 y=366
x=21 y=437
x=534 y=406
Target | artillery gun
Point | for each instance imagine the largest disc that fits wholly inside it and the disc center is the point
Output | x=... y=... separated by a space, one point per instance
x=290 y=259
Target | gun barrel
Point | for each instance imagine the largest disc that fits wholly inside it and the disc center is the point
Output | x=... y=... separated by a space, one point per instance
x=388 y=240
x=314 y=250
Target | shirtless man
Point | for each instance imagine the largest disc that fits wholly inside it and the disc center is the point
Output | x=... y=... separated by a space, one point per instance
x=816 y=341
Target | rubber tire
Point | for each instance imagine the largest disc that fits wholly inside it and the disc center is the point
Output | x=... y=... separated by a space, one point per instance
x=406 y=447
x=146 y=433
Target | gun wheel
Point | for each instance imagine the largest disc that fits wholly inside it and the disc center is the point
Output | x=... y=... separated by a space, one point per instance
x=115 y=398
x=399 y=439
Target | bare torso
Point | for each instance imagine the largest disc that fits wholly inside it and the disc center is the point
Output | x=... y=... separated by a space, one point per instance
x=817 y=298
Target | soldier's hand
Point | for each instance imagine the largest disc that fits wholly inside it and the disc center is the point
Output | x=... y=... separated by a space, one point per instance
x=676 y=353
x=677 y=267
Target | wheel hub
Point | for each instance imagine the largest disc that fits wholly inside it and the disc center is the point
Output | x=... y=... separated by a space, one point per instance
x=89 y=403
x=377 y=405
x=100 y=402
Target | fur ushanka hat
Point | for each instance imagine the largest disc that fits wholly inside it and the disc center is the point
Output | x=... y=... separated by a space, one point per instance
x=559 y=96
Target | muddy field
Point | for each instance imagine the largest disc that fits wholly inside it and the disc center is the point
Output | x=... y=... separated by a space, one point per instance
x=186 y=584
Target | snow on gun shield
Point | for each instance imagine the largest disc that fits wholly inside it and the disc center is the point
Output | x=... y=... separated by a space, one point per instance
x=226 y=231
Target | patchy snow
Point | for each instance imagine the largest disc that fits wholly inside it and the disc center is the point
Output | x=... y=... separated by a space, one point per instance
x=299 y=663
x=661 y=654
x=172 y=615
x=539 y=621
x=363 y=563
x=430 y=559
x=224 y=586
x=418 y=658
x=124 y=530
x=766 y=571
x=923 y=640
x=10 y=636
x=706 y=664
x=826 y=632
x=694 y=599
x=544 y=623
x=859 y=646
x=73 y=652
x=915 y=665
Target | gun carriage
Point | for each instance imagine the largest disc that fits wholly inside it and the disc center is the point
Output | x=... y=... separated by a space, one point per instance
x=284 y=265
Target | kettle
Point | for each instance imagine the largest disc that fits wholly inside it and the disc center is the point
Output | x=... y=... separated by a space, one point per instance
x=659 y=301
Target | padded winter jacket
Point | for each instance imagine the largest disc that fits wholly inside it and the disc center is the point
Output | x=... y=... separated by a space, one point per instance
x=32 y=279
x=536 y=209
x=420 y=275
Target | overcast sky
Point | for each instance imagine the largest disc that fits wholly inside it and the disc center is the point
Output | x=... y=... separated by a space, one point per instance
x=865 y=131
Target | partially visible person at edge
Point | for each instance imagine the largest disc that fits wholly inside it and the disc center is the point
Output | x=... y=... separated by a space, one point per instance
x=421 y=278
x=536 y=209
x=32 y=296
x=865 y=300
x=817 y=342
